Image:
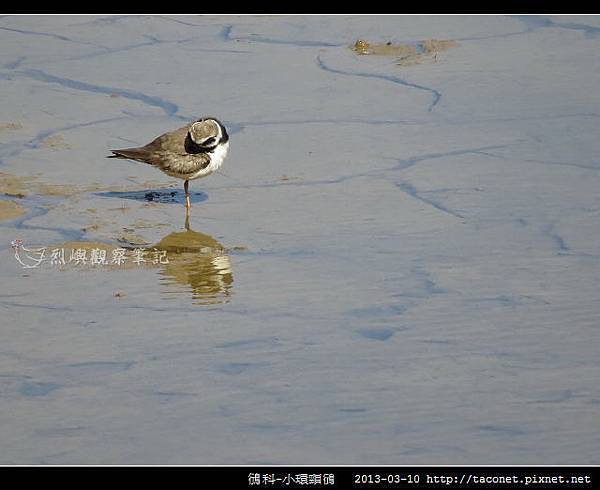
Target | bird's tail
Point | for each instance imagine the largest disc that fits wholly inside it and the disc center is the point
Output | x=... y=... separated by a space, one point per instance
x=129 y=153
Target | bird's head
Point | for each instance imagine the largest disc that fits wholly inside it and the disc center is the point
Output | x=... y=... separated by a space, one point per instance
x=208 y=133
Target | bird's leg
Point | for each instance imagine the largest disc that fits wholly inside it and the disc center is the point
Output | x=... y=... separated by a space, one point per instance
x=187 y=219
x=186 y=186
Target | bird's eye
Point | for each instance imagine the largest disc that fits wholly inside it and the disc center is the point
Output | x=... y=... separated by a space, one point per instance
x=209 y=142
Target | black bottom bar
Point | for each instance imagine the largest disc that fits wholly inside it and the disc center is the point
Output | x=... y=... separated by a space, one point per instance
x=324 y=477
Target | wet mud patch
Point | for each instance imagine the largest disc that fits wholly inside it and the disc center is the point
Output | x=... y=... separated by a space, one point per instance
x=406 y=54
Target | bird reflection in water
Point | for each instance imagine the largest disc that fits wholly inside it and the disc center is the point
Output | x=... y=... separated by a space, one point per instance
x=199 y=261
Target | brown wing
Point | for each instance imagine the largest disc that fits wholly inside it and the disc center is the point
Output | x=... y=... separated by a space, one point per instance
x=171 y=143
x=182 y=165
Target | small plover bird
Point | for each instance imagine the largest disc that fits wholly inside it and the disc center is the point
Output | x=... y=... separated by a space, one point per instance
x=191 y=152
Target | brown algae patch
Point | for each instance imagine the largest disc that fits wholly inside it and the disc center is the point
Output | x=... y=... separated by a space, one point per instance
x=10 y=126
x=437 y=45
x=145 y=224
x=17 y=186
x=57 y=190
x=287 y=178
x=12 y=185
x=10 y=210
x=56 y=142
x=407 y=54
x=127 y=237
x=384 y=49
x=92 y=226
x=22 y=186
x=190 y=241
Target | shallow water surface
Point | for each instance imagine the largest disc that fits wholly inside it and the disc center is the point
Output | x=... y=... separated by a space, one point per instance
x=397 y=264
